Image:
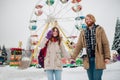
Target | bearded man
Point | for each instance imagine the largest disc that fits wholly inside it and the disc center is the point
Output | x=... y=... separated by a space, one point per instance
x=95 y=43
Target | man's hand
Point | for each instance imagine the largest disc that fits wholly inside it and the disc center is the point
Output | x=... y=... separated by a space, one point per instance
x=107 y=61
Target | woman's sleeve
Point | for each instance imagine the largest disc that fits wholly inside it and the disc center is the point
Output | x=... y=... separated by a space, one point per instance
x=105 y=44
x=64 y=52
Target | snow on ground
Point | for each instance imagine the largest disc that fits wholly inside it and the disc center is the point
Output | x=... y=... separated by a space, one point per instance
x=14 y=73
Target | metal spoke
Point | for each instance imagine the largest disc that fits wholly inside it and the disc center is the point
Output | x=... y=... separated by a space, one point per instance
x=62 y=9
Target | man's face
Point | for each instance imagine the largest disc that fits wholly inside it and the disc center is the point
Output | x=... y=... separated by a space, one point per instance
x=89 y=21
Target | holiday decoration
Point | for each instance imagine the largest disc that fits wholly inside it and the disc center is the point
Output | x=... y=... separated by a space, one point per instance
x=38 y=10
x=76 y=1
x=16 y=56
x=50 y=2
x=80 y=18
x=33 y=25
x=79 y=23
x=77 y=8
x=79 y=62
x=64 y=1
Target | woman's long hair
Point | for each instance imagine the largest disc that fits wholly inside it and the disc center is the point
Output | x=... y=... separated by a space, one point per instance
x=58 y=38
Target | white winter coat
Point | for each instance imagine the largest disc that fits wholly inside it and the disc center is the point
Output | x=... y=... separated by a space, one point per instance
x=54 y=54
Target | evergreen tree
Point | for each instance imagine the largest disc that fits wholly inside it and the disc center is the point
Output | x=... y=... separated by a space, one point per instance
x=0 y=51
x=0 y=48
x=4 y=53
x=116 y=42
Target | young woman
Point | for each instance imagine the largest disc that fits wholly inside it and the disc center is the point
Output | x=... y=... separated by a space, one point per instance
x=55 y=51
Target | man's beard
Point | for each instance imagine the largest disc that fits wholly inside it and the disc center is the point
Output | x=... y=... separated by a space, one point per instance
x=90 y=24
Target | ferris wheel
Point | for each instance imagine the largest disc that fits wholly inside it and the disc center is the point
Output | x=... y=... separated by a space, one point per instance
x=64 y=14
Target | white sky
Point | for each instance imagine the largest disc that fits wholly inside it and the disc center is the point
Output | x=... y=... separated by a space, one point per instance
x=15 y=15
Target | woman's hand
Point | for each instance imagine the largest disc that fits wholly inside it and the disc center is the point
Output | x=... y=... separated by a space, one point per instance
x=72 y=61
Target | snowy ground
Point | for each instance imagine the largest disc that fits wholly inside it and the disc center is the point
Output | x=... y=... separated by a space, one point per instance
x=13 y=73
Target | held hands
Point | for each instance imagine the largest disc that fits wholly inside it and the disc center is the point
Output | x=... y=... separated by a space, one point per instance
x=72 y=61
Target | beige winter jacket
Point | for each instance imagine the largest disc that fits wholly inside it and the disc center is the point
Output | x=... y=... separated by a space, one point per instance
x=102 y=50
x=54 y=55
